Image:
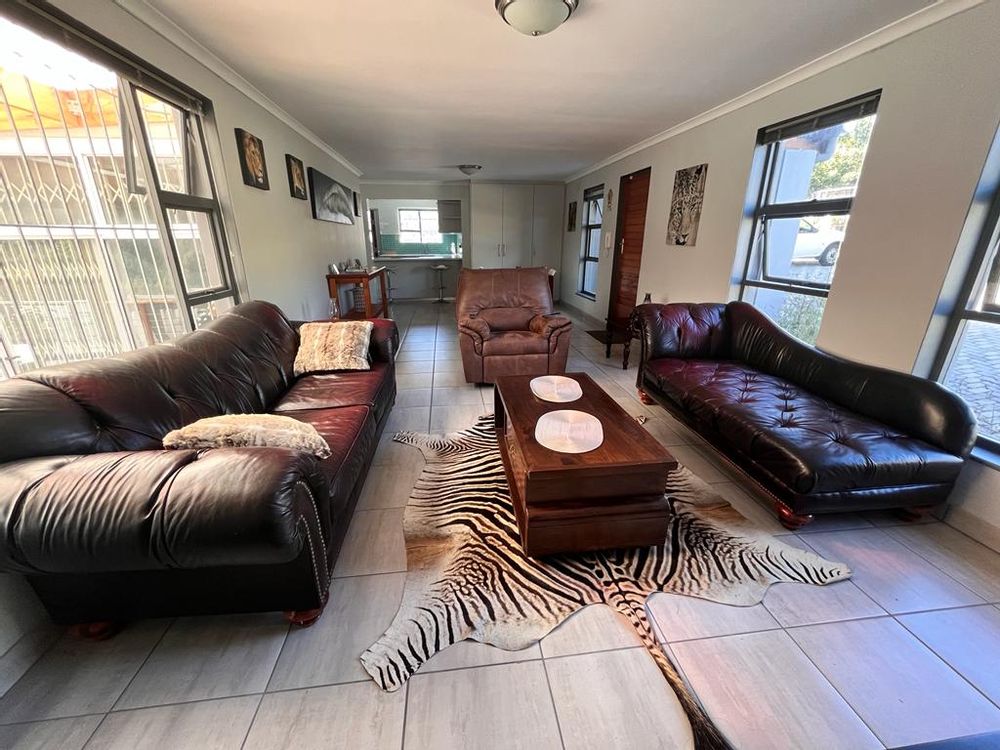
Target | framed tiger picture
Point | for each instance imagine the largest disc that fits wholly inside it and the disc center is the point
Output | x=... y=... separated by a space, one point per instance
x=685 y=206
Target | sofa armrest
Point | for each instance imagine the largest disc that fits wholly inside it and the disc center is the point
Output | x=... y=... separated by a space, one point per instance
x=476 y=327
x=546 y=325
x=384 y=342
x=162 y=509
x=682 y=330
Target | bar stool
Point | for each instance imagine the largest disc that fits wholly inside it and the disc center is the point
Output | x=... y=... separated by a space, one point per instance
x=440 y=268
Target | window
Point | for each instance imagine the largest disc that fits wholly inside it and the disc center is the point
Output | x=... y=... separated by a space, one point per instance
x=590 y=253
x=810 y=171
x=969 y=362
x=110 y=226
x=419 y=226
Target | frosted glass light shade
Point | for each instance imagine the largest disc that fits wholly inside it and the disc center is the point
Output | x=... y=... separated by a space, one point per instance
x=536 y=17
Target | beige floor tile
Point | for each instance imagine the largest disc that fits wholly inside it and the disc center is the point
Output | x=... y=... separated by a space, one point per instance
x=681 y=618
x=414 y=380
x=449 y=378
x=415 y=355
x=413 y=343
x=705 y=466
x=825 y=522
x=414 y=366
x=472 y=654
x=358 y=613
x=794 y=604
x=411 y=397
x=967 y=638
x=342 y=717
x=206 y=725
x=616 y=699
x=963 y=558
x=410 y=419
x=374 y=544
x=79 y=677
x=594 y=628
x=389 y=486
x=905 y=693
x=764 y=694
x=455 y=418
x=506 y=706
x=663 y=432
x=392 y=453
x=894 y=576
x=61 y=734
x=744 y=498
x=458 y=396
x=201 y=658
x=27 y=650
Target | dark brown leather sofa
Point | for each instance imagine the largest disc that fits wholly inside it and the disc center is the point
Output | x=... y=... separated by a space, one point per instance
x=506 y=325
x=108 y=526
x=819 y=433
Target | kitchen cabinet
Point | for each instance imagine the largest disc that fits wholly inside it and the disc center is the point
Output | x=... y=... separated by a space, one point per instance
x=516 y=225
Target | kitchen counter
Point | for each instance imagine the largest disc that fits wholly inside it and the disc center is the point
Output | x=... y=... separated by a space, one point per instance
x=422 y=258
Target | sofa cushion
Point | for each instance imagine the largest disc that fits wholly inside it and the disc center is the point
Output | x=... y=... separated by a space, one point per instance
x=806 y=442
x=248 y=431
x=515 y=342
x=331 y=390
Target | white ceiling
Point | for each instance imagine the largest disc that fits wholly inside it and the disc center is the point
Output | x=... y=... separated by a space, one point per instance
x=408 y=88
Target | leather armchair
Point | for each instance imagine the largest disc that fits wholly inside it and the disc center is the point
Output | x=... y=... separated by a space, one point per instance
x=506 y=324
x=818 y=433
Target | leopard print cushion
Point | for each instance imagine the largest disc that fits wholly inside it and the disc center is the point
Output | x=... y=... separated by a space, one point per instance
x=333 y=346
x=249 y=430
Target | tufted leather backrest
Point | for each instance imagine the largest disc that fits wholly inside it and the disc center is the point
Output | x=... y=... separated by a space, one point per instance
x=686 y=330
x=506 y=298
x=239 y=363
x=916 y=406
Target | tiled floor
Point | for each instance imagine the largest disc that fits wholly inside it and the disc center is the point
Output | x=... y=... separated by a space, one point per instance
x=904 y=653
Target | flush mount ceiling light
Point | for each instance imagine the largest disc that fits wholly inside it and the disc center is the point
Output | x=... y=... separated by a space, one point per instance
x=536 y=17
x=469 y=169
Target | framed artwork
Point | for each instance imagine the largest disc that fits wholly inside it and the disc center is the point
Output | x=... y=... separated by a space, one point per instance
x=296 y=177
x=331 y=201
x=571 y=220
x=252 y=163
x=357 y=205
x=685 y=206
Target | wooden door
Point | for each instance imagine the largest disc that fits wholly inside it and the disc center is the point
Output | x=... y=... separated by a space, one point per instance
x=633 y=193
x=487 y=225
x=518 y=211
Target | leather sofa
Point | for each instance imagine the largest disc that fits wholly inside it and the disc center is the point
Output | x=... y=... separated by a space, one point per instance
x=108 y=526
x=506 y=324
x=818 y=433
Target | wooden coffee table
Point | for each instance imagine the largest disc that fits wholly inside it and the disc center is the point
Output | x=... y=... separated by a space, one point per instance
x=609 y=497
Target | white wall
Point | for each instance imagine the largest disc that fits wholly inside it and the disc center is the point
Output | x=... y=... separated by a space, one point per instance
x=937 y=117
x=285 y=251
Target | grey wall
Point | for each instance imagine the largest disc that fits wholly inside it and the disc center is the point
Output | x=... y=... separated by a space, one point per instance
x=938 y=115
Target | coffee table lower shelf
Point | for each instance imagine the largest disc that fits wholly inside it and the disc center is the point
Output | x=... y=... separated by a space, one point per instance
x=569 y=525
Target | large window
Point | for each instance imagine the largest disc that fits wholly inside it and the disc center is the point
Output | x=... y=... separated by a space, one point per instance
x=969 y=363
x=419 y=226
x=590 y=252
x=110 y=228
x=810 y=171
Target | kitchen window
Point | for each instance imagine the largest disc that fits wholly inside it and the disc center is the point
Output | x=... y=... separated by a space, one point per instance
x=811 y=166
x=111 y=233
x=419 y=226
x=590 y=253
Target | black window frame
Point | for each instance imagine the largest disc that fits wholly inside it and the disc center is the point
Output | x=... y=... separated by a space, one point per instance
x=982 y=279
x=590 y=195
x=755 y=269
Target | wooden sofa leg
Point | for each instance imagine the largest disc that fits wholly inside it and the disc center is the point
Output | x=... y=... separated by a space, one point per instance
x=916 y=513
x=789 y=518
x=96 y=631
x=303 y=618
x=645 y=398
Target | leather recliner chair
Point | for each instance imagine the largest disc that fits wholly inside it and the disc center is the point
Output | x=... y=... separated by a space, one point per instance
x=506 y=324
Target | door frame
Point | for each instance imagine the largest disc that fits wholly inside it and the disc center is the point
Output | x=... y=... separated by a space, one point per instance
x=613 y=325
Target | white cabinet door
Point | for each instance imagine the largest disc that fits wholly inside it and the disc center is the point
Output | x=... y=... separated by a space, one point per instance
x=518 y=213
x=547 y=229
x=487 y=225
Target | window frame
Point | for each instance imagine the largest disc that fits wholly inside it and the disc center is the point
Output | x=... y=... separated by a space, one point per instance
x=755 y=273
x=420 y=212
x=590 y=195
x=982 y=273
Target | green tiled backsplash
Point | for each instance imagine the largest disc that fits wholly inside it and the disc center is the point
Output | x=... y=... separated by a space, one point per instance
x=392 y=245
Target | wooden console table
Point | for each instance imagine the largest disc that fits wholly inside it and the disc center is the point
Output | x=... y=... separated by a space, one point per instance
x=362 y=277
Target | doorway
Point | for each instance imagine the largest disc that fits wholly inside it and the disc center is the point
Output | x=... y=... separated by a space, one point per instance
x=633 y=194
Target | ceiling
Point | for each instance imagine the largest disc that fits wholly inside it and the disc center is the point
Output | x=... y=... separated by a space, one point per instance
x=407 y=89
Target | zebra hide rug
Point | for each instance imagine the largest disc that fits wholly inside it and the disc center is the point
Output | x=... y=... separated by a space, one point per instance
x=468 y=578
